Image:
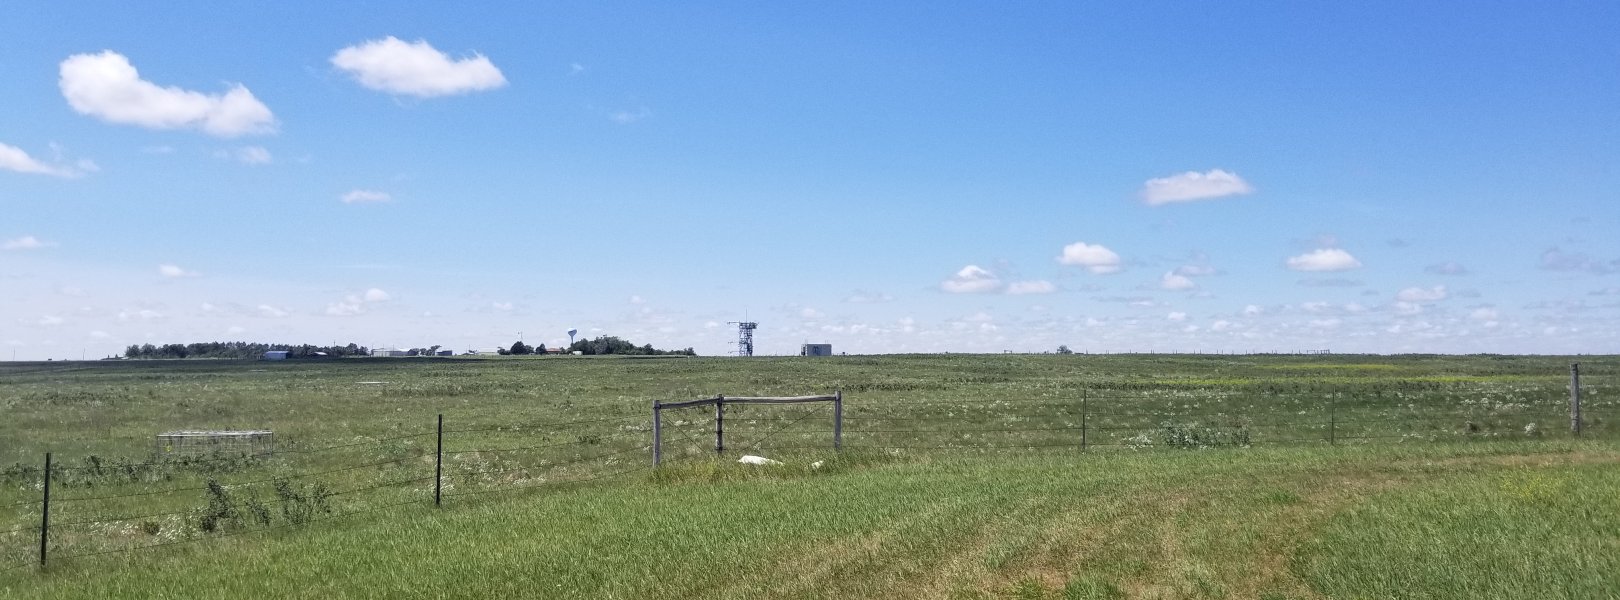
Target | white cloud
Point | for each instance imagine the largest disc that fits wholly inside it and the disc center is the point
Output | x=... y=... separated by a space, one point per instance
x=1558 y=260
x=811 y=313
x=376 y=295
x=13 y=158
x=252 y=155
x=108 y=87
x=1221 y=325
x=234 y=329
x=1038 y=286
x=1173 y=281
x=1096 y=258
x=1177 y=316
x=26 y=242
x=971 y=280
x=1192 y=186
x=503 y=306
x=365 y=196
x=265 y=310
x=1417 y=294
x=1483 y=314
x=636 y=299
x=1332 y=323
x=416 y=69
x=1251 y=310
x=1325 y=259
x=174 y=271
x=100 y=335
x=347 y=307
x=50 y=321
x=1408 y=308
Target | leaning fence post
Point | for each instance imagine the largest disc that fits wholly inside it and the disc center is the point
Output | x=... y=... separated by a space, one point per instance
x=838 y=420
x=438 y=464
x=658 y=435
x=1575 y=398
x=719 y=424
x=45 y=512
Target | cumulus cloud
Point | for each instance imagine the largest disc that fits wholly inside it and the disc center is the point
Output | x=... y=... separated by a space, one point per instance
x=972 y=279
x=1175 y=281
x=174 y=271
x=1483 y=314
x=1176 y=316
x=1325 y=259
x=376 y=295
x=1096 y=258
x=265 y=310
x=1419 y=295
x=811 y=313
x=416 y=69
x=1193 y=186
x=107 y=86
x=365 y=197
x=1446 y=268
x=1038 y=286
x=26 y=242
x=355 y=304
x=13 y=158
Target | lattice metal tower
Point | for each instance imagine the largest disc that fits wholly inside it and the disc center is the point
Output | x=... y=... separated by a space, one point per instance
x=745 y=337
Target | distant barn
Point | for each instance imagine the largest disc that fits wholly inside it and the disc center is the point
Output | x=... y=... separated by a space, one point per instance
x=275 y=355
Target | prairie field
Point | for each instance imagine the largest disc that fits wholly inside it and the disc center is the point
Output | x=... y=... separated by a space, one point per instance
x=956 y=476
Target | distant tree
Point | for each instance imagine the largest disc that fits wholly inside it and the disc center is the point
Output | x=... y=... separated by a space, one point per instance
x=520 y=348
x=1064 y=349
x=540 y=349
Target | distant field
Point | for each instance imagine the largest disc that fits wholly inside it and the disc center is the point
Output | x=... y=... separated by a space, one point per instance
x=1012 y=452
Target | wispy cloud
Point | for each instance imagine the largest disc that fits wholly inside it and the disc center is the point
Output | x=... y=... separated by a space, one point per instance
x=13 y=158
x=174 y=271
x=1038 y=286
x=416 y=69
x=26 y=242
x=1325 y=259
x=106 y=86
x=1555 y=259
x=365 y=197
x=1192 y=186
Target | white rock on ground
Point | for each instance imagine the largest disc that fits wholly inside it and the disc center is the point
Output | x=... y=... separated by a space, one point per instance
x=757 y=460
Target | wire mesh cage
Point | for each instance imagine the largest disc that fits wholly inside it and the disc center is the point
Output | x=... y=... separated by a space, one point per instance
x=254 y=442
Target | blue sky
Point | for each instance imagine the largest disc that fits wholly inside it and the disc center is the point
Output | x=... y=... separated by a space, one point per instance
x=887 y=177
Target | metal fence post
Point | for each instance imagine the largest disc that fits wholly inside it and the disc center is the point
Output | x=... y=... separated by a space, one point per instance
x=658 y=435
x=1085 y=414
x=1333 y=421
x=838 y=420
x=719 y=424
x=438 y=464
x=45 y=512
x=1575 y=398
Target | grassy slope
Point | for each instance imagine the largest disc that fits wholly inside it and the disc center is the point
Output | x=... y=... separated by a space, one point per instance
x=1429 y=521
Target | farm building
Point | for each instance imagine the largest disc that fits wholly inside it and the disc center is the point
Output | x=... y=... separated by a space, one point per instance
x=815 y=350
x=387 y=352
x=275 y=355
x=447 y=353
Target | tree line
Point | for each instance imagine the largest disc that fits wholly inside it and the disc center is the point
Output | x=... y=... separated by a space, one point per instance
x=605 y=344
x=240 y=350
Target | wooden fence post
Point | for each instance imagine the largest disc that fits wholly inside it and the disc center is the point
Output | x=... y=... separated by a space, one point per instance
x=658 y=435
x=1333 y=421
x=1575 y=398
x=45 y=512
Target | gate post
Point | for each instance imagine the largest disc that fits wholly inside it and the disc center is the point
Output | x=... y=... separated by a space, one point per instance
x=658 y=435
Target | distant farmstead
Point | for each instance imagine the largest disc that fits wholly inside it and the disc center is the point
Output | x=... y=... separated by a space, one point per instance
x=275 y=355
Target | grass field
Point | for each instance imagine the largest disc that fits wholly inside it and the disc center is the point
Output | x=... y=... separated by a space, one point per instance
x=962 y=476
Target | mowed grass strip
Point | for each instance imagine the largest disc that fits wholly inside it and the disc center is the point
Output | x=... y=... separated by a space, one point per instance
x=1377 y=521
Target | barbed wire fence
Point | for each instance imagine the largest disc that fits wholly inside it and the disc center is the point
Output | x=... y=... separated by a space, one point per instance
x=169 y=502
